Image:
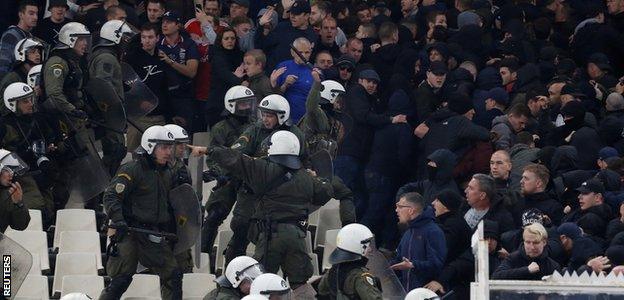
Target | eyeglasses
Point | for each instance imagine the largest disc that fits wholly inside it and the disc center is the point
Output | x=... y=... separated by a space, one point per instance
x=403 y=206
x=345 y=68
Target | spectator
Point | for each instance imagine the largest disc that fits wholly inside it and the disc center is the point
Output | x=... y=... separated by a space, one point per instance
x=254 y=62
x=27 y=12
x=609 y=129
x=440 y=166
x=355 y=49
x=496 y=102
x=616 y=225
x=591 y=201
x=364 y=14
x=530 y=262
x=96 y=17
x=238 y=8
x=202 y=80
x=154 y=9
x=604 y=154
x=245 y=32
x=327 y=41
x=482 y=203
x=116 y=13
x=324 y=61
x=367 y=33
x=295 y=79
x=48 y=28
x=522 y=154
x=500 y=170
x=508 y=126
x=227 y=71
x=429 y=92
x=422 y=250
x=182 y=57
x=578 y=250
x=509 y=73
x=456 y=232
x=346 y=67
x=533 y=187
x=384 y=58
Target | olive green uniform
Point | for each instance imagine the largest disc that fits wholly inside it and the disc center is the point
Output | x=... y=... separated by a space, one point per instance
x=280 y=212
x=14 y=215
x=224 y=293
x=356 y=284
x=13 y=77
x=139 y=195
x=104 y=64
x=253 y=142
x=184 y=259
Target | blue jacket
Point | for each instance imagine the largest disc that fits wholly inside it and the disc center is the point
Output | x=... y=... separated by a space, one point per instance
x=425 y=246
x=298 y=92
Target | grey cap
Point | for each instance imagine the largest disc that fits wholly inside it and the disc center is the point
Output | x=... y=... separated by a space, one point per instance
x=369 y=74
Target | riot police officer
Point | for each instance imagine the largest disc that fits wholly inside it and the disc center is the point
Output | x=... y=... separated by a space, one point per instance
x=348 y=277
x=239 y=103
x=254 y=142
x=285 y=194
x=236 y=282
x=105 y=67
x=271 y=286
x=136 y=201
x=28 y=53
x=13 y=212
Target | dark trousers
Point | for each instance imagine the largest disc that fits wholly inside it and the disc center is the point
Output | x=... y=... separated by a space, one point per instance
x=351 y=171
x=380 y=216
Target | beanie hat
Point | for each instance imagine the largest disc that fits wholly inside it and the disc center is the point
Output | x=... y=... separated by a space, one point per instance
x=450 y=199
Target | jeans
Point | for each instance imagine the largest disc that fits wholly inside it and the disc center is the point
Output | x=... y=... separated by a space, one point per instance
x=380 y=217
x=351 y=171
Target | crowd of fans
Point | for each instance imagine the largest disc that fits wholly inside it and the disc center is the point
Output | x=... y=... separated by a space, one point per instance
x=508 y=111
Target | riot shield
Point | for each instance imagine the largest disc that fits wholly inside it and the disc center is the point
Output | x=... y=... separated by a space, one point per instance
x=322 y=164
x=187 y=211
x=18 y=259
x=380 y=268
x=88 y=176
x=108 y=103
x=138 y=100
x=346 y=125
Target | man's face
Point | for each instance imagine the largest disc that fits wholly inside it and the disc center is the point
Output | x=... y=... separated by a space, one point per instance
x=245 y=286
x=500 y=166
x=324 y=61
x=439 y=208
x=119 y=15
x=440 y=20
x=507 y=75
x=518 y=122
x=29 y=16
x=250 y=65
x=408 y=5
x=492 y=244
x=473 y=194
x=436 y=81
x=299 y=21
x=530 y=184
x=163 y=153
x=81 y=46
x=566 y=242
x=615 y=6
x=364 y=16
x=238 y=10
x=154 y=12
x=316 y=16
x=537 y=104
x=25 y=106
x=369 y=85
x=148 y=40
x=533 y=245
x=169 y=27
x=594 y=71
x=242 y=29
x=305 y=49
x=34 y=55
x=180 y=148
x=6 y=177
x=269 y=120
x=355 y=49
x=345 y=72
x=328 y=32
x=554 y=92
x=587 y=200
x=405 y=211
x=57 y=13
x=212 y=7
x=435 y=55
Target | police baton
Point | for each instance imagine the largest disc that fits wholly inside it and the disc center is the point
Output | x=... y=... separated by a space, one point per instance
x=307 y=63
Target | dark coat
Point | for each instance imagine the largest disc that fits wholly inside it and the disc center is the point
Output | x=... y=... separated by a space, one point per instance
x=442 y=178
x=547 y=205
x=428 y=100
x=456 y=232
x=224 y=63
x=449 y=130
x=515 y=267
x=458 y=274
x=497 y=213
x=383 y=61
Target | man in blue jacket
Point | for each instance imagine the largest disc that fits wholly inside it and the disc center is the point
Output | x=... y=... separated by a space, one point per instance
x=422 y=250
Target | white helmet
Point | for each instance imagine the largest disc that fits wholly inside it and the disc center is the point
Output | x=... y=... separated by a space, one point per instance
x=284 y=149
x=34 y=76
x=236 y=94
x=269 y=284
x=179 y=133
x=351 y=243
x=76 y=296
x=422 y=294
x=276 y=104
x=254 y=297
x=156 y=135
x=17 y=91
x=12 y=163
x=242 y=268
x=21 y=49
x=69 y=34
x=330 y=90
x=114 y=32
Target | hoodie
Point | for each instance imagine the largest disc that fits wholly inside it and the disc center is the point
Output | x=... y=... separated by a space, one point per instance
x=507 y=136
x=440 y=177
x=425 y=246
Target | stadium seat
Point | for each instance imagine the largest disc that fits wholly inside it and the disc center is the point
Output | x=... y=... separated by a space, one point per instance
x=72 y=263
x=82 y=241
x=308 y=241
x=35 y=223
x=315 y=263
x=196 y=286
x=204 y=264
x=92 y=285
x=33 y=287
x=36 y=242
x=143 y=285
x=223 y=239
x=35 y=269
x=330 y=245
x=329 y=218
x=73 y=220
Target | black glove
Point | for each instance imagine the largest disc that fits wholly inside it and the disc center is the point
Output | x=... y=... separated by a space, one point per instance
x=121 y=230
x=79 y=114
x=209 y=175
x=183 y=176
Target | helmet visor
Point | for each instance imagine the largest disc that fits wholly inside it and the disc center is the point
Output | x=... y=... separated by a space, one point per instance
x=250 y=273
x=245 y=107
x=14 y=164
x=34 y=80
x=279 y=295
x=82 y=43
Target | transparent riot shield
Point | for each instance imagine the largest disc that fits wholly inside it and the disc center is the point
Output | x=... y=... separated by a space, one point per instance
x=380 y=268
x=16 y=261
x=322 y=164
x=187 y=211
x=138 y=100
x=88 y=176
x=108 y=102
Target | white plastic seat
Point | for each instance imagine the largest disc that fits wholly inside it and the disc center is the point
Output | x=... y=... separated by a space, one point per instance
x=35 y=269
x=329 y=218
x=197 y=285
x=308 y=242
x=36 y=242
x=204 y=264
x=82 y=241
x=33 y=287
x=330 y=245
x=73 y=220
x=315 y=263
x=35 y=224
x=143 y=285
x=224 y=238
x=72 y=263
x=92 y=285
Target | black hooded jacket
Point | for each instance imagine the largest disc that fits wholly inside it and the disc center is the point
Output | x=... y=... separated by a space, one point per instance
x=515 y=266
x=547 y=205
x=440 y=177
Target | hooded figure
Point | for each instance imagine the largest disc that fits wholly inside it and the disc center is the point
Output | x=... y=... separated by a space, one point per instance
x=456 y=231
x=440 y=165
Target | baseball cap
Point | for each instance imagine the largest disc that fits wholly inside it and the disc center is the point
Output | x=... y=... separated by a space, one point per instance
x=569 y=229
x=569 y=89
x=244 y=3
x=369 y=74
x=499 y=95
x=438 y=68
x=591 y=186
x=346 y=60
x=171 y=16
x=600 y=60
x=607 y=152
x=300 y=7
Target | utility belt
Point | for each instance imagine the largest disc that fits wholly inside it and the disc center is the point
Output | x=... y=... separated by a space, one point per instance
x=274 y=225
x=154 y=233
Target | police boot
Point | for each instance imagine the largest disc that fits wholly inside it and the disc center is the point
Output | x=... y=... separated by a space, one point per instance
x=116 y=288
